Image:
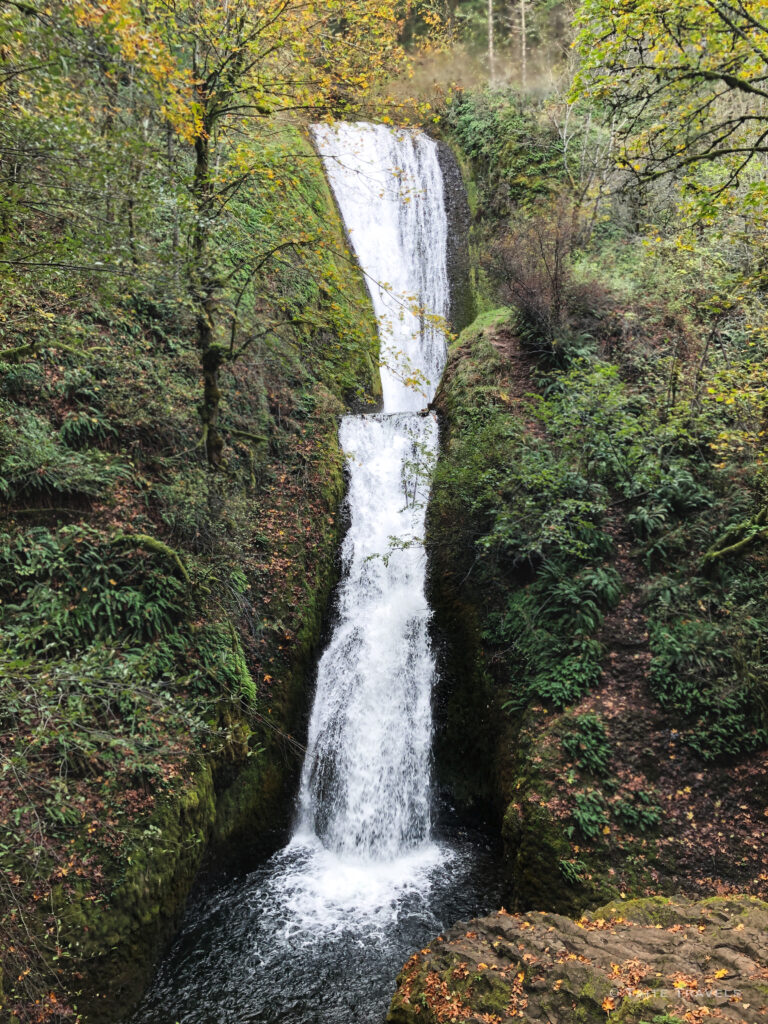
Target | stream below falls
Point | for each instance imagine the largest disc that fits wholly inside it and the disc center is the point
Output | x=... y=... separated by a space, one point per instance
x=319 y=932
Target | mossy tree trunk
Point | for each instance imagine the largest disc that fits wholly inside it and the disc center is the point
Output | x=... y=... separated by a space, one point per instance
x=212 y=359
x=205 y=286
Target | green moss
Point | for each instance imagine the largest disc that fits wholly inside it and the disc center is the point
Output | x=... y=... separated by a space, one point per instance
x=488 y=994
x=115 y=938
x=465 y=757
x=636 y=1011
x=650 y=910
x=590 y=999
x=501 y=316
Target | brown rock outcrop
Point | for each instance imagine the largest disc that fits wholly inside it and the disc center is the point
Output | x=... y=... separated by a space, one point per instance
x=650 y=961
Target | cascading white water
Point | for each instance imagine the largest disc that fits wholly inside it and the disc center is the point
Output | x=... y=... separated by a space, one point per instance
x=365 y=785
x=318 y=932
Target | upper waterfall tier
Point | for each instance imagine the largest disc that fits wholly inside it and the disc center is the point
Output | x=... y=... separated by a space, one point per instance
x=389 y=187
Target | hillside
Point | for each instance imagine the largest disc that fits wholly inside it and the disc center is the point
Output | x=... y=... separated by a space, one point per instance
x=159 y=623
x=596 y=538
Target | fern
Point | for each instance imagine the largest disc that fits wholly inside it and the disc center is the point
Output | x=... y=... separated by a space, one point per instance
x=588 y=745
x=33 y=460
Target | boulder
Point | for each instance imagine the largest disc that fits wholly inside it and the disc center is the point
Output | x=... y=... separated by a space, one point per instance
x=648 y=961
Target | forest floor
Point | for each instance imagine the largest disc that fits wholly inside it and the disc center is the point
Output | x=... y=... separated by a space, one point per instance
x=712 y=835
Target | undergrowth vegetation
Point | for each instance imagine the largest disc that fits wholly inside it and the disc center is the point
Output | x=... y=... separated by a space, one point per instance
x=538 y=486
x=599 y=517
x=635 y=413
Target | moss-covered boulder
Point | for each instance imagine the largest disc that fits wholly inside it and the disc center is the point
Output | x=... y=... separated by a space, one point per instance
x=666 y=961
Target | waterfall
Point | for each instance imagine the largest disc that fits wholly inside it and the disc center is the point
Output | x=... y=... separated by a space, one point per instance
x=318 y=932
x=365 y=785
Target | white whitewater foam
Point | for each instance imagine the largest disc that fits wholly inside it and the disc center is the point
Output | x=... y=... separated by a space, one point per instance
x=320 y=891
x=365 y=786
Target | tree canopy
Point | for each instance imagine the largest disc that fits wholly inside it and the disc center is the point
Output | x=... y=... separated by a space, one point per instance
x=686 y=82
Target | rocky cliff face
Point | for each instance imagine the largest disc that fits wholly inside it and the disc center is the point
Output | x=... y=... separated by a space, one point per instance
x=459 y=220
x=667 y=961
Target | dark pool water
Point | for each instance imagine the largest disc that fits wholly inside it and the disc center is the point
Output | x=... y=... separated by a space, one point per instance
x=310 y=939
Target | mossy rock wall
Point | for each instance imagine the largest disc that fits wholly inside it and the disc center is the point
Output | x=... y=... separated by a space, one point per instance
x=470 y=725
x=497 y=748
x=118 y=938
x=263 y=571
x=235 y=807
x=462 y=311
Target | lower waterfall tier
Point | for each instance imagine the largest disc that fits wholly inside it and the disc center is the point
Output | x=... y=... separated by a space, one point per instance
x=366 y=780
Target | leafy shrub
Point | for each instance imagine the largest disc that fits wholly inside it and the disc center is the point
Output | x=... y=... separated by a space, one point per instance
x=22 y=380
x=580 y=603
x=588 y=745
x=186 y=511
x=104 y=712
x=590 y=814
x=646 y=522
x=573 y=871
x=616 y=438
x=708 y=671
x=549 y=624
x=515 y=156
x=552 y=663
x=638 y=812
x=85 y=428
x=33 y=461
x=567 y=679
x=77 y=385
x=680 y=491
x=221 y=660
x=69 y=588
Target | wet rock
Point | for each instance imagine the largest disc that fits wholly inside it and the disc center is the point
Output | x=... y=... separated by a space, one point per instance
x=651 y=961
x=457 y=257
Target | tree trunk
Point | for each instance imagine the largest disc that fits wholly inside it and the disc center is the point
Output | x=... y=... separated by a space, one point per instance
x=204 y=286
x=169 y=140
x=523 y=47
x=491 y=45
x=212 y=359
